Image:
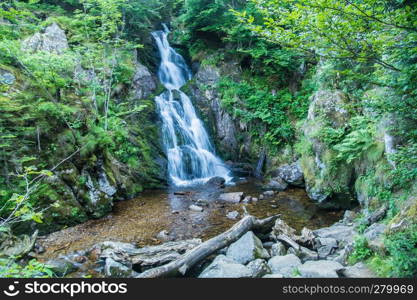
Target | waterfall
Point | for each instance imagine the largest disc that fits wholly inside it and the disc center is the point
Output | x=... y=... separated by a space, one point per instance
x=191 y=155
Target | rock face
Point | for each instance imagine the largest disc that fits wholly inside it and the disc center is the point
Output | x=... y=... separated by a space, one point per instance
x=7 y=77
x=292 y=174
x=246 y=249
x=321 y=181
x=224 y=267
x=276 y=184
x=53 y=40
x=144 y=83
x=285 y=265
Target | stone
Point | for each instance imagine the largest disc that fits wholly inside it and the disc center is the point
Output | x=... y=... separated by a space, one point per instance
x=163 y=236
x=320 y=269
x=61 y=266
x=232 y=197
x=247 y=199
x=114 y=269
x=285 y=265
x=254 y=199
x=268 y=193
x=276 y=184
x=196 y=208
x=376 y=216
x=249 y=247
x=341 y=233
x=233 y=215
x=325 y=246
x=201 y=202
x=261 y=197
x=304 y=253
x=359 y=270
x=282 y=228
x=7 y=77
x=53 y=40
x=374 y=231
x=216 y=182
x=259 y=268
x=278 y=249
x=16 y=246
x=224 y=267
x=306 y=238
x=348 y=217
x=143 y=83
x=292 y=174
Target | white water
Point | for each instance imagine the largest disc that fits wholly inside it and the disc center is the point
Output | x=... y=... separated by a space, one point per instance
x=191 y=155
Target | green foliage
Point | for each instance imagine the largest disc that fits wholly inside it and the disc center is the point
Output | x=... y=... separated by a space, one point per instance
x=361 y=250
x=33 y=269
x=402 y=247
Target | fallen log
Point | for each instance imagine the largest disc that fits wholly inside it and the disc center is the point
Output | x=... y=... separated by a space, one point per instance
x=199 y=253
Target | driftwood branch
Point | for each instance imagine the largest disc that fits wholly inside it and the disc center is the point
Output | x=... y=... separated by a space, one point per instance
x=188 y=260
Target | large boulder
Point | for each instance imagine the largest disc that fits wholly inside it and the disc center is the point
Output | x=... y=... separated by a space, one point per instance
x=53 y=40
x=286 y=265
x=143 y=83
x=224 y=267
x=320 y=269
x=259 y=268
x=249 y=247
x=342 y=233
x=292 y=174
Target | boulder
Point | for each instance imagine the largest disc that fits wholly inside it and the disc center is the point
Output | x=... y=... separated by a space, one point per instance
x=304 y=254
x=325 y=246
x=281 y=228
x=259 y=268
x=268 y=193
x=196 y=208
x=114 y=269
x=341 y=233
x=216 y=182
x=359 y=270
x=232 y=197
x=224 y=267
x=61 y=266
x=320 y=269
x=276 y=184
x=247 y=199
x=143 y=83
x=285 y=265
x=53 y=40
x=374 y=236
x=292 y=174
x=278 y=249
x=249 y=247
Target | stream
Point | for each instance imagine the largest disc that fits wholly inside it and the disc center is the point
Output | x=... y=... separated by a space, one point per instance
x=140 y=220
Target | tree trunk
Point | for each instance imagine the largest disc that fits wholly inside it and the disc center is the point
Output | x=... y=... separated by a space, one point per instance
x=188 y=260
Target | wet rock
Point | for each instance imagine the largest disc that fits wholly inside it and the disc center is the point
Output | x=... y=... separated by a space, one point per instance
x=359 y=270
x=53 y=40
x=247 y=199
x=268 y=193
x=114 y=269
x=278 y=249
x=7 y=77
x=320 y=269
x=216 y=182
x=196 y=208
x=233 y=215
x=249 y=247
x=259 y=268
x=232 y=197
x=163 y=236
x=292 y=174
x=61 y=266
x=276 y=184
x=224 y=267
x=285 y=265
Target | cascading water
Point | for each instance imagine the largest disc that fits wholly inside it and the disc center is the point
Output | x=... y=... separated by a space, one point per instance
x=191 y=155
